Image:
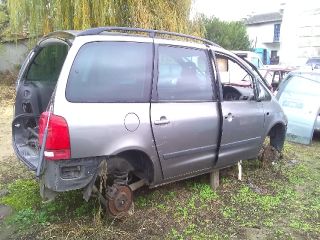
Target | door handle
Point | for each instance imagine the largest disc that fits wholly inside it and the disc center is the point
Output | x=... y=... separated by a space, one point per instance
x=163 y=120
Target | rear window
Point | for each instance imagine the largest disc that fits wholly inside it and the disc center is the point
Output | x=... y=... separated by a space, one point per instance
x=111 y=72
x=46 y=66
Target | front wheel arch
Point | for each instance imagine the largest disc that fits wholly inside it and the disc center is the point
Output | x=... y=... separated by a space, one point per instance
x=277 y=136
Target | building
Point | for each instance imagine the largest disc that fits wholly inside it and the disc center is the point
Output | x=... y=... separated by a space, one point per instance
x=300 y=33
x=264 y=34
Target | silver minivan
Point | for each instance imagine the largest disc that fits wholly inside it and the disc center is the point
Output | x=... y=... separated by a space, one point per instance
x=111 y=104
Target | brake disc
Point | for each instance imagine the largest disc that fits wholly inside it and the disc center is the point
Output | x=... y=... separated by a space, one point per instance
x=120 y=201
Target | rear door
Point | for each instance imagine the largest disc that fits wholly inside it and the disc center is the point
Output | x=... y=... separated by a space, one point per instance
x=184 y=111
x=243 y=115
x=35 y=84
x=39 y=76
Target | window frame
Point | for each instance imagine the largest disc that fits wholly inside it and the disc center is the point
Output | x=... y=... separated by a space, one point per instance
x=155 y=96
x=235 y=60
x=265 y=89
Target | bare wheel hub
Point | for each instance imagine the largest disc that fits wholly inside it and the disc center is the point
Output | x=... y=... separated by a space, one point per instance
x=120 y=201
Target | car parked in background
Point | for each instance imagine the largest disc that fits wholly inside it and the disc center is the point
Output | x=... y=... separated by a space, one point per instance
x=314 y=62
x=274 y=74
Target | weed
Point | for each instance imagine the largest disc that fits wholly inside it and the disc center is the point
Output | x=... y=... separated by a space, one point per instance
x=204 y=191
x=23 y=194
x=170 y=195
x=192 y=203
x=298 y=174
x=174 y=234
x=268 y=222
x=161 y=206
x=141 y=201
x=182 y=212
x=24 y=217
x=267 y=203
x=300 y=225
x=228 y=212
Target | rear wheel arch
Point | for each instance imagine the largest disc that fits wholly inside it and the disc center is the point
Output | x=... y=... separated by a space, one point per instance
x=137 y=161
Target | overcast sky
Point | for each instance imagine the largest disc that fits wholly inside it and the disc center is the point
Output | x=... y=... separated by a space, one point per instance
x=235 y=10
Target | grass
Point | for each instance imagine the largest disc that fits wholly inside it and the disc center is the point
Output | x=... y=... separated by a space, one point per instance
x=281 y=201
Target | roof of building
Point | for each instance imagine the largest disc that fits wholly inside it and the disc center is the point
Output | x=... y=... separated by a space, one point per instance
x=264 y=18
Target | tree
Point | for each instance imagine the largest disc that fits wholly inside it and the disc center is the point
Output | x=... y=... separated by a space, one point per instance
x=4 y=19
x=43 y=16
x=230 y=35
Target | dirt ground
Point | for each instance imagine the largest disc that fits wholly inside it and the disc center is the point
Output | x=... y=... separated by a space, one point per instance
x=278 y=202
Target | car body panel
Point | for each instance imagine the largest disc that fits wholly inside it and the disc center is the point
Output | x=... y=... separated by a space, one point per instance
x=299 y=96
x=188 y=142
x=243 y=129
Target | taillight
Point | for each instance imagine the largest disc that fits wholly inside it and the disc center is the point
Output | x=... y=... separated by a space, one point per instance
x=58 y=139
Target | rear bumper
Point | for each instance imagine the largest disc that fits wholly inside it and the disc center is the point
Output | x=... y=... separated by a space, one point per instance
x=66 y=175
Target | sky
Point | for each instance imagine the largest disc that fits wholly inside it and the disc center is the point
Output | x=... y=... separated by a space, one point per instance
x=229 y=10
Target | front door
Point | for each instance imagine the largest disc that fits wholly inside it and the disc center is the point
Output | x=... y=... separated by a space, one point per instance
x=184 y=115
x=243 y=115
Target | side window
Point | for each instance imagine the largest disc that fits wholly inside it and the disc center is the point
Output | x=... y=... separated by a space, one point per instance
x=237 y=83
x=184 y=74
x=263 y=94
x=46 y=66
x=111 y=72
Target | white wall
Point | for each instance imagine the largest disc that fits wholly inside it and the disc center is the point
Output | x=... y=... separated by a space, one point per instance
x=300 y=33
x=12 y=54
x=261 y=33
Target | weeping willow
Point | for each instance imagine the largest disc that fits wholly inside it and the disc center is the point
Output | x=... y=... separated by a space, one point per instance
x=43 y=16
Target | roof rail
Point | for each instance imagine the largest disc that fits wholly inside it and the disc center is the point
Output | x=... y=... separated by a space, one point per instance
x=69 y=34
x=152 y=33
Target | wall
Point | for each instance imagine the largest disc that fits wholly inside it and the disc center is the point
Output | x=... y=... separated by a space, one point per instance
x=261 y=35
x=300 y=33
x=12 y=54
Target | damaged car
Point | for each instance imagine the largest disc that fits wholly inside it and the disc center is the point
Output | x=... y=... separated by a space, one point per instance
x=299 y=96
x=128 y=110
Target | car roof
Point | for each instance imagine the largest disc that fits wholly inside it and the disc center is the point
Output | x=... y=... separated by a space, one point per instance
x=70 y=35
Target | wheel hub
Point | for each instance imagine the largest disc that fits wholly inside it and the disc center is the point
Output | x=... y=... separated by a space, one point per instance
x=120 y=201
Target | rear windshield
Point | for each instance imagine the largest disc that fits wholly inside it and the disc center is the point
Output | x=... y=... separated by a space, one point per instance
x=46 y=66
x=111 y=72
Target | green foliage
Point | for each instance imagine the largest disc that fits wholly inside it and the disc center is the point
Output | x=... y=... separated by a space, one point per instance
x=230 y=35
x=228 y=212
x=25 y=199
x=24 y=194
x=204 y=191
x=4 y=18
x=43 y=16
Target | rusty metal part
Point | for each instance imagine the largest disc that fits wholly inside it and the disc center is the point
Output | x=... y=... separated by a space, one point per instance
x=102 y=199
x=120 y=201
x=134 y=186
